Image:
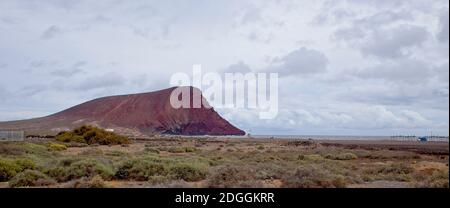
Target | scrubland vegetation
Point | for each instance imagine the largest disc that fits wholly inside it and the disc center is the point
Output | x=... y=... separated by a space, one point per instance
x=83 y=158
x=91 y=135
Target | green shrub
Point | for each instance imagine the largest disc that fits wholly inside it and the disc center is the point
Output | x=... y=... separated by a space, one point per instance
x=115 y=153
x=94 y=182
x=269 y=171
x=231 y=177
x=313 y=157
x=140 y=170
x=151 y=150
x=31 y=178
x=158 y=179
x=313 y=176
x=342 y=156
x=190 y=149
x=10 y=168
x=57 y=147
x=92 y=135
x=25 y=164
x=181 y=149
x=189 y=172
x=80 y=169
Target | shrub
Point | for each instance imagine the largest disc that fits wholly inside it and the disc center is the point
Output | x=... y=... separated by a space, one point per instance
x=158 y=179
x=115 y=153
x=313 y=157
x=57 y=147
x=269 y=171
x=395 y=168
x=439 y=179
x=181 y=149
x=341 y=156
x=391 y=172
x=80 y=169
x=91 y=135
x=151 y=150
x=140 y=170
x=189 y=172
x=190 y=149
x=94 y=182
x=10 y=168
x=231 y=177
x=9 y=148
x=91 y=151
x=25 y=164
x=31 y=178
x=312 y=176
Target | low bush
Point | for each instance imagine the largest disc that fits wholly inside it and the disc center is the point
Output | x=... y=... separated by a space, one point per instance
x=151 y=150
x=92 y=151
x=270 y=171
x=92 y=135
x=79 y=169
x=313 y=157
x=395 y=168
x=140 y=170
x=342 y=156
x=189 y=172
x=56 y=147
x=93 y=182
x=181 y=149
x=435 y=179
x=313 y=176
x=10 y=168
x=31 y=178
x=10 y=148
x=391 y=172
x=231 y=177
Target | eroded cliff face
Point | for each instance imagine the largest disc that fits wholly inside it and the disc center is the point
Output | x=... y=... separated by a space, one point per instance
x=147 y=113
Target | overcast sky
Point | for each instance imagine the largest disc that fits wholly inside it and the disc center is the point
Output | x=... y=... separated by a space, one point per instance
x=349 y=67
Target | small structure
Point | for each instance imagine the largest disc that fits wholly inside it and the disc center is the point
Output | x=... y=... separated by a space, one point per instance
x=423 y=139
x=12 y=135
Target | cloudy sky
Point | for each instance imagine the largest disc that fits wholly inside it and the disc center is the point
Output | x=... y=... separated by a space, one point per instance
x=347 y=67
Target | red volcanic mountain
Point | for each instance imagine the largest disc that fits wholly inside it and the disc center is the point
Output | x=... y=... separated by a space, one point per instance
x=146 y=113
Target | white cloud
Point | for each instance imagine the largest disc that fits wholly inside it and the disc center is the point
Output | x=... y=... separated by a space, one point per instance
x=103 y=81
x=443 y=34
x=402 y=70
x=51 y=32
x=300 y=61
x=346 y=66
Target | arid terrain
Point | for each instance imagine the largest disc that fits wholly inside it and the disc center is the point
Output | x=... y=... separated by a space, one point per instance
x=222 y=162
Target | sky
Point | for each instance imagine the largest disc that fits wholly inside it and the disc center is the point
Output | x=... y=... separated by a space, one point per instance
x=346 y=67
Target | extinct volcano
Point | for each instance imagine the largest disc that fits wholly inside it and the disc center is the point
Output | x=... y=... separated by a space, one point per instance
x=135 y=114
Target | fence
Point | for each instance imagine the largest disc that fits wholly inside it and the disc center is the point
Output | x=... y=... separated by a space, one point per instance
x=10 y=135
x=433 y=138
